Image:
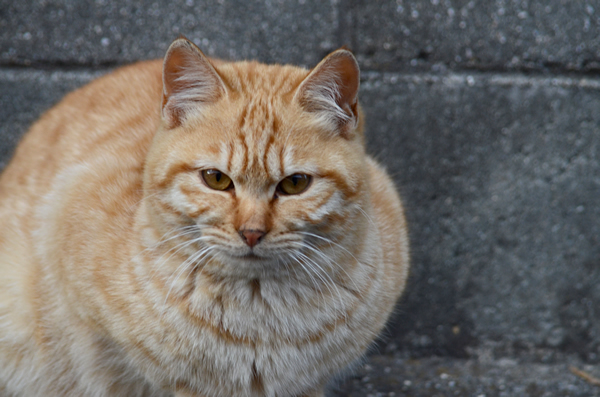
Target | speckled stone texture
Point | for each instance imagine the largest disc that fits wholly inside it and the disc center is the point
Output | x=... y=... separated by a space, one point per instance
x=487 y=115
x=559 y=35
x=443 y=377
x=501 y=182
x=104 y=32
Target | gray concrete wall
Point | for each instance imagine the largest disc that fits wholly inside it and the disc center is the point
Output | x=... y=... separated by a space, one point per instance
x=486 y=113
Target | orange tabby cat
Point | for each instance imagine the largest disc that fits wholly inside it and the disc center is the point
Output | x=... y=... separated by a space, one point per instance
x=235 y=241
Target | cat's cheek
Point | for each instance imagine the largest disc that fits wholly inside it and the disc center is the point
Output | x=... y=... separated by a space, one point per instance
x=314 y=210
x=199 y=202
x=332 y=205
x=178 y=201
x=211 y=212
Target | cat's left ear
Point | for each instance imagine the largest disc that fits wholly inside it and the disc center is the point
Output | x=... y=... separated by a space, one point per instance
x=190 y=82
x=331 y=91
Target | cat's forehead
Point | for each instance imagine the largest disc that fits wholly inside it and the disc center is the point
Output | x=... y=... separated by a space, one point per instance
x=253 y=78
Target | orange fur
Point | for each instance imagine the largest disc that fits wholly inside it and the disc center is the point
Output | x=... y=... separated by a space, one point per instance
x=125 y=274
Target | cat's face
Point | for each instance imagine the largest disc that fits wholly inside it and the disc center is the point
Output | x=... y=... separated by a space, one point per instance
x=256 y=176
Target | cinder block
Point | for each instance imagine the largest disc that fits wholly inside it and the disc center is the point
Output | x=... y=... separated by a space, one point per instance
x=102 y=32
x=418 y=35
x=25 y=95
x=501 y=178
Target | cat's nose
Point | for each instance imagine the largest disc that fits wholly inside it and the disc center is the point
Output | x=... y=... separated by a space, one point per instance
x=251 y=236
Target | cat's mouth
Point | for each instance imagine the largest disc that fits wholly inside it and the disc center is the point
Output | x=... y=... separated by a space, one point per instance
x=251 y=260
x=251 y=256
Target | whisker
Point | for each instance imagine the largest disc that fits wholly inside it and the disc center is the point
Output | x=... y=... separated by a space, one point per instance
x=330 y=242
x=160 y=261
x=328 y=281
x=332 y=262
x=310 y=275
x=367 y=216
x=181 y=246
x=184 y=231
x=315 y=249
x=138 y=202
x=189 y=263
x=181 y=232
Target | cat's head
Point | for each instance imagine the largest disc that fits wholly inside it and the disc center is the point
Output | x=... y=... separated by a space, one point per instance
x=256 y=162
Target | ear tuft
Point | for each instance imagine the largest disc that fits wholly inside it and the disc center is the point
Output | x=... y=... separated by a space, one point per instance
x=331 y=90
x=190 y=82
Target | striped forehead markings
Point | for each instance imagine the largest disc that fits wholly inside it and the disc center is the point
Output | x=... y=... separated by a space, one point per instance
x=265 y=161
x=244 y=149
x=257 y=135
x=230 y=149
x=242 y=118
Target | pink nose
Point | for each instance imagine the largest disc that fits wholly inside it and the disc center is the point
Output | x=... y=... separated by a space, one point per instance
x=252 y=236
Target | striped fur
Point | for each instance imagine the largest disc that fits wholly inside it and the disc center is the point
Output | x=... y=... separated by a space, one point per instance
x=124 y=274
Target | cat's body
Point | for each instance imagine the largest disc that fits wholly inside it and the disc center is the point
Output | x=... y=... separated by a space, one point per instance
x=124 y=273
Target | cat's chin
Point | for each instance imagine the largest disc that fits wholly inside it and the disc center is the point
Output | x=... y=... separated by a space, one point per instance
x=251 y=264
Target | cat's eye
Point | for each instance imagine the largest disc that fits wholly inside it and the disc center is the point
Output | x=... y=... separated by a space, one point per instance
x=294 y=184
x=216 y=180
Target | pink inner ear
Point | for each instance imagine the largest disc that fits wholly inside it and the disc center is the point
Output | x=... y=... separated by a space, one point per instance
x=189 y=82
x=332 y=88
x=173 y=68
x=349 y=78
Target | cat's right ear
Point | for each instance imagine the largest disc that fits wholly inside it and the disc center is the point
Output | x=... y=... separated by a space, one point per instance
x=331 y=91
x=190 y=82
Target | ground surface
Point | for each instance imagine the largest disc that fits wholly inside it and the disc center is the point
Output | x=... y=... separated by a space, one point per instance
x=443 y=377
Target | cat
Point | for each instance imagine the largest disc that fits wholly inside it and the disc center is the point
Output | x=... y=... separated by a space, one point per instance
x=196 y=227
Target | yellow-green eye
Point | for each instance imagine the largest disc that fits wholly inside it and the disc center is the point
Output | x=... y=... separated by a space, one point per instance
x=217 y=180
x=294 y=184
